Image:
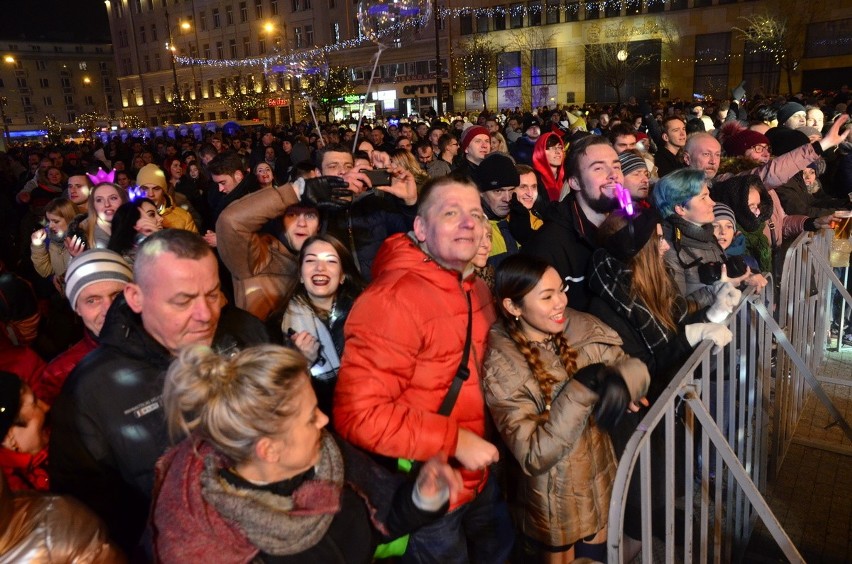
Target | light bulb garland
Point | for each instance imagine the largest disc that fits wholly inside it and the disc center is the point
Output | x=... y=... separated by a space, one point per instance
x=303 y=62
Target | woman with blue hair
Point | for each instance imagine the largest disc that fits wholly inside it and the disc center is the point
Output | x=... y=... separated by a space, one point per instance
x=695 y=259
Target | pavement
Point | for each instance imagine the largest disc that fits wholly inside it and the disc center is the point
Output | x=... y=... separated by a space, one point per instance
x=812 y=494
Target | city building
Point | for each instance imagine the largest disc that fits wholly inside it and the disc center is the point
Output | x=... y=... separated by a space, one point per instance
x=61 y=79
x=670 y=49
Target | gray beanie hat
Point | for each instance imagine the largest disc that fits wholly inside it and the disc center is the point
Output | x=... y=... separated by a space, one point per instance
x=95 y=265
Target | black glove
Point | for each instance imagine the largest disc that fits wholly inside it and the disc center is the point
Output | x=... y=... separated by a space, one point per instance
x=327 y=192
x=613 y=395
x=520 y=224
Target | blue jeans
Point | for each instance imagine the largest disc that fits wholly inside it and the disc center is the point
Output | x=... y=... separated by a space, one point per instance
x=479 y=532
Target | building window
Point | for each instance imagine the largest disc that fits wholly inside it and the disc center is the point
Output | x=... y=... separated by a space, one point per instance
x=73 y=115
x=829 y=39
x=499 y=18
x=534 y=9
x=516 y=16
x=220 y=50
x=465 y=25
x=593 y=11
x=482 y=23
x=258 y=9
x=712 y=54
x=509 y=70
x=157 y=62
x=70 y=100
x=229 y=15
x=202 y=21
x=261 y=46
x=243 y=12
x=40 y=65
x=543 y=69
x=232 y=48
x=297 y=5
x=153 y=32
x=273 y=7
x=89 y=101
x=211 y=89
x=335 y=32
x=142 y=38
x=760 y=71
x=147 y=60
x=679 y=4
x=612 y=8
x=22 y=82
x=297 y=34
x=309 y=35
x=44 y=83
x=332 y=4
x=48 y=101
x=217 y=23
x=552 y=11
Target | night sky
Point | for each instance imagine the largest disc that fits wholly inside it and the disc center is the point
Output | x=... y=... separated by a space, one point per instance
x=54 y=20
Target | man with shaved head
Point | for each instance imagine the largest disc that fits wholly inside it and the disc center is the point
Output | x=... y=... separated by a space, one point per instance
x=109 y=428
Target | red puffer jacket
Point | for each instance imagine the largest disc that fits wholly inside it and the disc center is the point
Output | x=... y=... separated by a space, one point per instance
x=404 y=341
x=48 y=384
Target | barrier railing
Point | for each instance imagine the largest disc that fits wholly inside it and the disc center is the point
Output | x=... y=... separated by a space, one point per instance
x=722 y=427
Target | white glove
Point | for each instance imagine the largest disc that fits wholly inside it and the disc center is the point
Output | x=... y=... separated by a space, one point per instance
x=727 y=298
x=697 y=332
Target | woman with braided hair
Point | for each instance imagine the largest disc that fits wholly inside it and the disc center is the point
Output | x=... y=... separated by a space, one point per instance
x=548 y=369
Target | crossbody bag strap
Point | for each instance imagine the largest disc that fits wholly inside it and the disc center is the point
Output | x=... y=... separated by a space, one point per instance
x=462 y=372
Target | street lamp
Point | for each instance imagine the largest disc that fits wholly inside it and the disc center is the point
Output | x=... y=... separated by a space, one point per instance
x=269 y=28
x=176 y=97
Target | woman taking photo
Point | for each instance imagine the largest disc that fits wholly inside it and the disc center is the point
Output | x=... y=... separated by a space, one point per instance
x=547 y=159
x=548 y=369
x=259 y=480
x=329 y=283
x=133 y=223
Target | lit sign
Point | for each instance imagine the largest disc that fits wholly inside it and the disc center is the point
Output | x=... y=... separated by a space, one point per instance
x=278 y=102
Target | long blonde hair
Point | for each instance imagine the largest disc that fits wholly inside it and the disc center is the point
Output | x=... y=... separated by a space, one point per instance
x=233 y=402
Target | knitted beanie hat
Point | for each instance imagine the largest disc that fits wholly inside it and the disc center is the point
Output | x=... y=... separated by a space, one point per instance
x=496 y=171
x=737 y=144
x=95 y=265
x=787 y=111
x=469 y=134
x=630 y=161
x=723 y=211
x=151 y=174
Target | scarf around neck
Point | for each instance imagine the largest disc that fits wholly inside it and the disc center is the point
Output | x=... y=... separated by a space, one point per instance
x=276 y=524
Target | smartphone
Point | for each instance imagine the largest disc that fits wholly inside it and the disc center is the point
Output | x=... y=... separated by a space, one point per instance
x=378 y=177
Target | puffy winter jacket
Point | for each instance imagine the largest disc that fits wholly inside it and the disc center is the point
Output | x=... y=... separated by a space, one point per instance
x=568 y=463
x=404 y=342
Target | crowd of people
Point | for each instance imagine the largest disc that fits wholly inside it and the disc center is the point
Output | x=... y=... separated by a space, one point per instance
x=430 y=341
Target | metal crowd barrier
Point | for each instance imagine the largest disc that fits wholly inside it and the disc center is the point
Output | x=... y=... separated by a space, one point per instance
x=722 y=427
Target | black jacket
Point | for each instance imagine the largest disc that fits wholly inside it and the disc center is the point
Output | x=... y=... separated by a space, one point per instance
x=364 y=226
x=108 y=423
x=566 y=241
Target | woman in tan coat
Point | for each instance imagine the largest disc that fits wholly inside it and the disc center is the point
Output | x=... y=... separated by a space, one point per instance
x=554 y=377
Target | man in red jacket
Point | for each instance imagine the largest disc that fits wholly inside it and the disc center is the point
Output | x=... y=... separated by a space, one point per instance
x=405 y=339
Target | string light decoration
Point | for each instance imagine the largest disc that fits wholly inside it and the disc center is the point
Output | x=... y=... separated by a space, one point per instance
x=244 y=98
x=478 y=65
x=87 y=123
x=397 y=30
x=132 y=122
x=53 y=128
